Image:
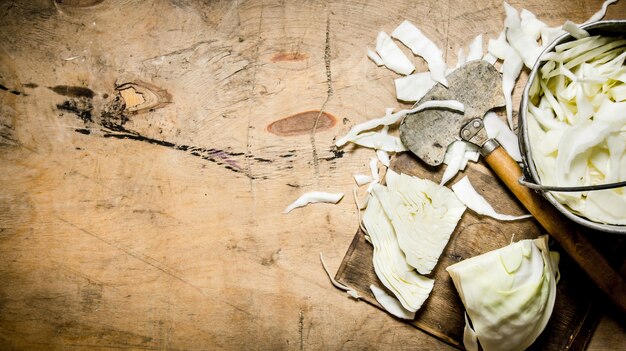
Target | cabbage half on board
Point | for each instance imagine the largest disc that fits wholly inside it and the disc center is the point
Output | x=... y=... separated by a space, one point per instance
x=508 y=294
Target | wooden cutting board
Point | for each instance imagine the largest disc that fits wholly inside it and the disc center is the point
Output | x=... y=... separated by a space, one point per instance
x=575 y=315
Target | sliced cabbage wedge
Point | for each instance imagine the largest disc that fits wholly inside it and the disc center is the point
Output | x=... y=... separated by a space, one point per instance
x=508 y=294
x=390 y=265
x=423 y=214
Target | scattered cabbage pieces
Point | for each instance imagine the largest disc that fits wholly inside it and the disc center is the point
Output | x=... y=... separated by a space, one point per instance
x=422 y=46
x=521 y=42
x=577 y=124
x=313 y=197
x=508 y=294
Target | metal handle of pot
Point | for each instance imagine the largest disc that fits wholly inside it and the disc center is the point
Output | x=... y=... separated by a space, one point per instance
x=522 y=180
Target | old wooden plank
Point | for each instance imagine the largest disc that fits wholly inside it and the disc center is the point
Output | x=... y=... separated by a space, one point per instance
x=166 y=231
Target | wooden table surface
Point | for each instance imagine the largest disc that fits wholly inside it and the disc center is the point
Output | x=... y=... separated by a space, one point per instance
x=158 y=224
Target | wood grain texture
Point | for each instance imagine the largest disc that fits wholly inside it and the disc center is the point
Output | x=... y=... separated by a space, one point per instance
x=158 y=224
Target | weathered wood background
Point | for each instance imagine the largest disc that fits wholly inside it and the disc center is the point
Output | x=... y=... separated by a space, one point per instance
x=148 y=148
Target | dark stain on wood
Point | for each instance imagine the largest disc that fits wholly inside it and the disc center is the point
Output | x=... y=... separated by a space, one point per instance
x=12 y=91
x=289 y=56
x=336 y=154
x=302 y=123
x=260 y=159
x=91 y=296
x=78 y=3
x=73 y=91
x=110 y=123
x=80 y=107
x=271 y=259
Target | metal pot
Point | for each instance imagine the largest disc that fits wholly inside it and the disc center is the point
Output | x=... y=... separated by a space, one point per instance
x=612 y=28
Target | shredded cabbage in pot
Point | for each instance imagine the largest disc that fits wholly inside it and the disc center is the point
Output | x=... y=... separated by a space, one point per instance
x=577 y=125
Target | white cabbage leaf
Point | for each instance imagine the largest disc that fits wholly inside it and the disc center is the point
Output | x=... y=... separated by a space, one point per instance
x=350 y=291
x=607 y=206
x=477 y=203
x=530 y=25
x=413 y=87
x=490 y=58
x=523 y=41
x=500 y=131
x=314 y=197
x=475 y=49
x=374 y=169
x=375 y=57
x=511 y=67
x=415 y=40
x=461 y=59
x=470 y=340
x=454 y=159
x=392 y=56
x=383 y=157
x=600 y=14
x=379 y=141
x=499 y=47
x=574 y=30
x=362 y=179
x=472 y=153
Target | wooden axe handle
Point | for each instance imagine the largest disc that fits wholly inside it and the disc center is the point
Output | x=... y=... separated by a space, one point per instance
x=560 y=228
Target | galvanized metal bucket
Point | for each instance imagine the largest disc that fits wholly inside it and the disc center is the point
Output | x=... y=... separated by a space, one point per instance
x=613 y=28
